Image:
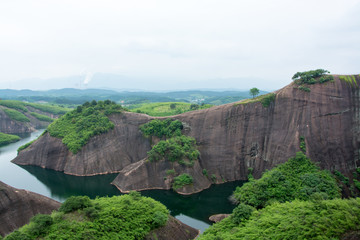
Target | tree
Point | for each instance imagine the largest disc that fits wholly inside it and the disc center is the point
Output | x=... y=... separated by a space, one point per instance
x=254 y=92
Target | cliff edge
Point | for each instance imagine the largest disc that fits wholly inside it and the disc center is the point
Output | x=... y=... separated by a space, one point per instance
x=231 y=139
x=18 y=206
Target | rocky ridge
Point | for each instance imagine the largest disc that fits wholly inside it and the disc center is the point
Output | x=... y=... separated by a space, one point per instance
x=18 y=206
x=231 y=139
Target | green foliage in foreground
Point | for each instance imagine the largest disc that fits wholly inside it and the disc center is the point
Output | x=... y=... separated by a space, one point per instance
x=265 y=100
x=160 y=128
x=120 y=217
x=16 y=115
x=298 y=178
x=7 y=139
x=181 y=149
x=78 y=126
x=324 y=219
x=182 y=180
x=42 y=117
x=164 y=109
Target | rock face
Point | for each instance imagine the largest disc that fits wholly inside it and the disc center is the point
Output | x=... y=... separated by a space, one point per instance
x=174 y=229
x=10 y=126
x=17 y=207
x=231 y=138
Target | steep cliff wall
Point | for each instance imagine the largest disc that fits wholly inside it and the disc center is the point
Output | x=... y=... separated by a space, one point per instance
x=231 y=139
x=18 y=206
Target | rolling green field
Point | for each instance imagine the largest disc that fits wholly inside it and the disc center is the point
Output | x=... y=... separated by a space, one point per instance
x=163 y=109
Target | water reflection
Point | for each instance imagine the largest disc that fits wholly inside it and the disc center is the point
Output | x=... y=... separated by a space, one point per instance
x=198 y=206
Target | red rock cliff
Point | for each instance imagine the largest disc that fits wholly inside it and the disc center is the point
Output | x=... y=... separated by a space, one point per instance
x=231 y=138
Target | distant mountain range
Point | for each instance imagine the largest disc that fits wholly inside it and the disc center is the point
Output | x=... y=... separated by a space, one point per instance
x=79 y=96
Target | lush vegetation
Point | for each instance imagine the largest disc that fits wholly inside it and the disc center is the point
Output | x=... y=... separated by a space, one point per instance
x=265 y=99
x=120 y=217
x=291 y=201
x=181 y=149
x=54 y=109
x=167 y=108
x=311 y=77
x=298 y=178
x=16 y=115
x=162 y=128
x=22 y=106
x=7 y=139
x=78 y=126
x=14 y=104
x=182 y=180
x=317 y=219
x=41 y=117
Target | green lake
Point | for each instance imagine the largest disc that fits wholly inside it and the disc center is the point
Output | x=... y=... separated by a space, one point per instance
x=194 y=210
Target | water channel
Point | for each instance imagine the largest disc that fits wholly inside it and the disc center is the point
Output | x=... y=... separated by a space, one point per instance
x=194 y=210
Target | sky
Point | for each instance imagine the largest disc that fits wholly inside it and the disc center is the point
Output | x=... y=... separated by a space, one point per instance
x=172 y=45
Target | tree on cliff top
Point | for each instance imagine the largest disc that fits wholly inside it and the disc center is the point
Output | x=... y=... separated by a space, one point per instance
x=254 y=92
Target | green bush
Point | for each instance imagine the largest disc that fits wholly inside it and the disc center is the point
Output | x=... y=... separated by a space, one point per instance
x=182 y=180
x=57 y=110
x=26 y=145
x=302 y=144
x=78 y=126
x=42 y=117
x=213 y=177
x=298 y=178
x=160 y=128
x=305 y=89
x=342 y=178
x=170 y=172
x=16 y=115
x=39 y=224
x=268 y=99
x=241 y=213
x=312 y=77
x=204 y=172
x=7 y=139
x=181 y=149
x=74 y=203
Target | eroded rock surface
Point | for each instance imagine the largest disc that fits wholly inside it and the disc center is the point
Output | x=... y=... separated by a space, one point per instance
x=18 y=206
x=231 y=138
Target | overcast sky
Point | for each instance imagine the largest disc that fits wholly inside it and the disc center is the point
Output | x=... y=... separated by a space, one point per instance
x=175 y=44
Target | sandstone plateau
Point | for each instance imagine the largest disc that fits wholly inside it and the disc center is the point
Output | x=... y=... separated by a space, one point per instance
x=18 y=206
x=231 y=139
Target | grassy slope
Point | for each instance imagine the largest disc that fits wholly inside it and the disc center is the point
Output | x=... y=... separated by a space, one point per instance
x=164 y=109
x=8 y=138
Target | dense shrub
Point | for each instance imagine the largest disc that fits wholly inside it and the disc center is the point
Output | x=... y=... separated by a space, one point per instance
x=57 y=110
x=182 y=180
x=328 y=219
x=78 y=126
x=8 y=138
x=74 y=203
x=265 y=100
x=162 y=128
x=14 y=104
x=16 y=115
x=312 y=77
x=297 y=178
x=120 y=217
x=241 y=213
x=26 y=145
x=180 y=149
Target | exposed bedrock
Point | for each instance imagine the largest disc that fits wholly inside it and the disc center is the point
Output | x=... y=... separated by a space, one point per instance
x=18 y=206
x=231 y=138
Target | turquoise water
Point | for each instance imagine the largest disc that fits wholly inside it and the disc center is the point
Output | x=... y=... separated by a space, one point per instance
x=194 y=210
